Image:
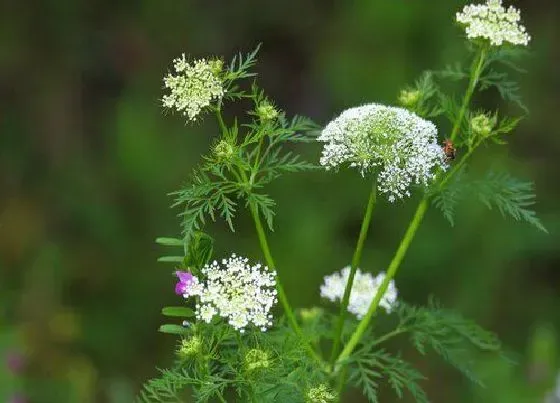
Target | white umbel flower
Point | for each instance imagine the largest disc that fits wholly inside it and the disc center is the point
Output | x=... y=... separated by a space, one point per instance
x=491 y=21
x=236 y=291
x=193 y=86
x=364 y=288
x=396 y=143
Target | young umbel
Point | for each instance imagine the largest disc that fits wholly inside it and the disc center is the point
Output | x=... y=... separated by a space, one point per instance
x=238 y=337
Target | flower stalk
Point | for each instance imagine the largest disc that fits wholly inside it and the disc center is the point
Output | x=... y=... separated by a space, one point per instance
x=391 y=272
x=476 y=71
x=281 y=293
x=356 y=258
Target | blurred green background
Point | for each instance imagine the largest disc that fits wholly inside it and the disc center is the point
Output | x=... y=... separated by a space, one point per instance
x=87 y=158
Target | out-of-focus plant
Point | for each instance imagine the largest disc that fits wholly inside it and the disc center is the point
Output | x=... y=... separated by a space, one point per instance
x=231 y=346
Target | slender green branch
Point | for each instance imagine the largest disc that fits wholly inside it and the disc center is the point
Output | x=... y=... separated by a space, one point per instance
x=356 y=258
x=281 y=294
x=391 y=272
x=478 y=66
x=389 y=335
x=221 y=122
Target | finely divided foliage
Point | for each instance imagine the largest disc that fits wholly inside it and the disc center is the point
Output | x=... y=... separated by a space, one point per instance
x=232 y=344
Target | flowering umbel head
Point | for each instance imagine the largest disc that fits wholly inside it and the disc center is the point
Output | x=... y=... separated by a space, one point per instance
x=393 y=142
x=319 y=394
x=493 y=23
x=193 y=86
x=364 y=288
x=236 y=291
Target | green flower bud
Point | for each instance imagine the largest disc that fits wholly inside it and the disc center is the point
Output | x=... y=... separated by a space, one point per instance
x=216 y=65
x=224 y=150
x=267 y=111
x=482 y=125
x=190 y=347
x=319 y=394
x=409 y=98
x=311 y=314
x=256 y=359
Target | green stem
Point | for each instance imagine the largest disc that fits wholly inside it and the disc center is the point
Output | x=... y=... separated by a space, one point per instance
x=478 y=66
x=221 y=122
x=388 y=336
x=281 y=294
x=391 y=272
x=266 y=251
x=356 y=258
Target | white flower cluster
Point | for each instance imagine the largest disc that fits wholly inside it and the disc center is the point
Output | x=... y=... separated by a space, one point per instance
x=554 y=396
x=493 y=22
x=395 y=141
x=240 y=293
x=194 y=86
x=364 y=288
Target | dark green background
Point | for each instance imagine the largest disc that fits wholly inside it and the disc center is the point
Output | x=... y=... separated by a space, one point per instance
x=87 y=157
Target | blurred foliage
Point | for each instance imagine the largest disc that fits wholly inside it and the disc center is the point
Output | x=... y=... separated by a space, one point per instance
x=87 y=158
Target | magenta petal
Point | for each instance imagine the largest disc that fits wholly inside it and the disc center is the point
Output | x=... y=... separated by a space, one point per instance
x=180 y=288
x=184 y=276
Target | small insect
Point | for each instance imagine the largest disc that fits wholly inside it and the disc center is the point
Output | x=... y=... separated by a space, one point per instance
x=449 y=150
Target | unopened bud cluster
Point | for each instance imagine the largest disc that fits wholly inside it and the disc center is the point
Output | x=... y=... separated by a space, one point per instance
x=482 y=125
x=256 y=359
x=319 y=394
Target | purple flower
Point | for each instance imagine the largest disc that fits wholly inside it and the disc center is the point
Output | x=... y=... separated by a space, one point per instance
x=17 y=399
x=15 y=362
x=186 y=281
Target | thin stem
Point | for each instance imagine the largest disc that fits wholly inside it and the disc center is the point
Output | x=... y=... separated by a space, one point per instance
x=221 y=122
x=391 y=272
x=475 y=75
x=388 y=336
x=356 y=258
x=281 y=294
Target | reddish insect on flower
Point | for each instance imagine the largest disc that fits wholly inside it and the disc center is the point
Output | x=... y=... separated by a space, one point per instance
x=449 y=150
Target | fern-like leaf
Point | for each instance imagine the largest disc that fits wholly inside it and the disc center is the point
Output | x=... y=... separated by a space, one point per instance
x=510 y=196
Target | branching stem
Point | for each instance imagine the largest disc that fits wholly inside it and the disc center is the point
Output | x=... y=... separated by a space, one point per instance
x=391 y=271
x=476 y=71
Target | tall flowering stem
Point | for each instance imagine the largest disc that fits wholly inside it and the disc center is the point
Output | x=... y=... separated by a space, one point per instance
x=356 y=258
x=391 y=272
x=476 y=71
x=281 y=293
